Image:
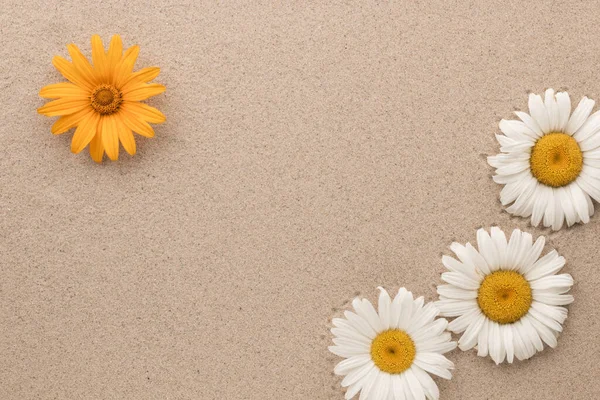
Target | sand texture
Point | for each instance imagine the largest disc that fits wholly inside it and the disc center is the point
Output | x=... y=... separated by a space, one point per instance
x=311 y=153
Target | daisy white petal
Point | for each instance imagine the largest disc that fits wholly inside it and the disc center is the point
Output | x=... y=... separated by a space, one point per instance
x=496 y=344
x=579 y=201
x=520 y=348
x=431 y=364
x=408 y=395
x=398 y=387
x=415 y=386
x=550 y=207
x=590 y=186
x=507 y=334
x=552 y=299
x=382 y=387
x=512 y=191
x=479 y=262
x=591 y=172
x=550 y=264
x=352 y=391
x=541 y=196
x=460 y=280
x=350 y=364
x=429 y=387
x=357 y=374
x=488 y=250
x=546 y=334
x=513 y=250
x=537 y=110
x=429 y=331
x=506 y=179
x=580 y=115
x=384 y=306
x=369 y=383
x=360 y=324
x=455 y=308
x=463 y=255
x=346 y=351
x=502 y=160
x=552 y=110
x=469 y=339
x=456 y=266
x=589 y=155
x=452 y=292
x=588 y=145
x=523 y=206
x=589 y=128
x=517 y=130
x=483 y=338
x=557 y=313
x=429 y=312
x=562 y=280
x=530 y=123
x=559 y=213
x=405 y=302
x=461 y=323
x=365 y=310
x=567 y=206
x=350 y=334
x=532 y=255
x=563 y=103
x=441 y=348
x=531 y=333
x=500 y=242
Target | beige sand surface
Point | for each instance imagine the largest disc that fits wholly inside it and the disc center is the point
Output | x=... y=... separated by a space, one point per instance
x=311 y=152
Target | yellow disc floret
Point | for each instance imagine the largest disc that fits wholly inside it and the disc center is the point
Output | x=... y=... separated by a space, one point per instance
x=556 y=159
x=504 y=296
x=106 y=99
x=393 y=351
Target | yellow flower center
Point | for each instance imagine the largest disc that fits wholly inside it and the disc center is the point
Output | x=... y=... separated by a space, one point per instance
x=106 y=99
x=504 y=296
x=393 y=351
x=556 y=159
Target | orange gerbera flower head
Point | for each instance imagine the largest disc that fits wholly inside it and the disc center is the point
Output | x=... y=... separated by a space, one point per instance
x=102 y=101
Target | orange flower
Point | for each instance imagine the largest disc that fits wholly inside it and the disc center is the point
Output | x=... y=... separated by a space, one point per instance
x=103 y=100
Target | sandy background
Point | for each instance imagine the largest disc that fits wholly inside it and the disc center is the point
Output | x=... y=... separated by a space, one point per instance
x=311 y=153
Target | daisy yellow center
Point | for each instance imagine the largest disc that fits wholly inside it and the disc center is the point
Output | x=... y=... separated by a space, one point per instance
x=393 y=351
x=504 y=296
x=106 y=99
x=556 y=159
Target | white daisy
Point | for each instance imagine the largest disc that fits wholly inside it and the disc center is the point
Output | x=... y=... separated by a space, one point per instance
x=389 y=354
x=507 y=299
x=550 y=161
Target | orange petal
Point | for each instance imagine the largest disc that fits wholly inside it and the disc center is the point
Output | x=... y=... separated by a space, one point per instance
x=144 y=75
x=85 y=132
x=110 y=136
x=64 y=106
x=125 y=66
x=136 y=124
x=96 y=148
x=115 y=51
x=144 y=111
x=99 y=57
x=125 y=136
x=82 y=64
x=67 y=122
x=143 y=91
x=71 y=73
x=63 y=89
